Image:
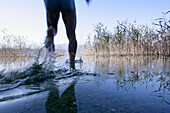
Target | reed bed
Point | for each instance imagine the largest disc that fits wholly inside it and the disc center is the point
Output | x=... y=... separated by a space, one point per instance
x=131 y=39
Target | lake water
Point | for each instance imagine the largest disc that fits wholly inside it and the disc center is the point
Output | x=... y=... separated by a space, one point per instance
x=98 y=85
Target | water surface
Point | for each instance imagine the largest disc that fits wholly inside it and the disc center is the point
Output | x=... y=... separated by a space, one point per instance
x=99 y=84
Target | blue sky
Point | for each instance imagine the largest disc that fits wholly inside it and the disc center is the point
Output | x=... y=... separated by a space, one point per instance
x=28 y=17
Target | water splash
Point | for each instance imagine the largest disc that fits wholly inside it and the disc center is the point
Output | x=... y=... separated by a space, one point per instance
x=42 y=68
x=40 y=74
x=35 y=71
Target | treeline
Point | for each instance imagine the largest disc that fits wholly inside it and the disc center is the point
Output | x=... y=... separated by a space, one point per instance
x=131 y=39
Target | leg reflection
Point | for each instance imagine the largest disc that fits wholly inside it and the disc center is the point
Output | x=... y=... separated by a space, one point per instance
x=65 y=104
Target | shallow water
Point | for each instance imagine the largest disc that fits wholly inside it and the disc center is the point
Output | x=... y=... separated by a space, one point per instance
x=99 y=84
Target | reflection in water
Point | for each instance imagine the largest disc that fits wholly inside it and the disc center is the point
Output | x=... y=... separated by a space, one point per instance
x=129 y=62
x=105 y=84
x=64 y=104
x=131 y=72
x=159 y=80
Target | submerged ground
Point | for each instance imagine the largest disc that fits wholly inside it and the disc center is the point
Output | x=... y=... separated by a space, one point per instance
x=98 y=85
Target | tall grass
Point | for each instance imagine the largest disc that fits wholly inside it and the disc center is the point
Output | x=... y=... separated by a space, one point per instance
x=13 y=47
x=131 y=39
